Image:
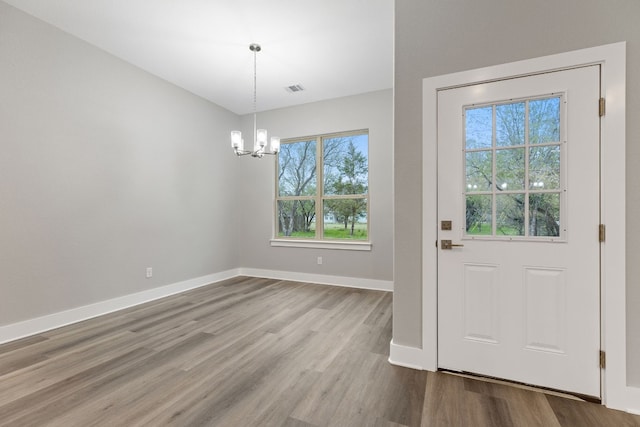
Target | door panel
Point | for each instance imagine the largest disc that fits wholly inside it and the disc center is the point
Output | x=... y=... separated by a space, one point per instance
x=480 y=303
x=518 y=176
x=545 y=309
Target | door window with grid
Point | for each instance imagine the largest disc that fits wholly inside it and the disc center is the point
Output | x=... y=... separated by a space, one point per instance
x=513 y=154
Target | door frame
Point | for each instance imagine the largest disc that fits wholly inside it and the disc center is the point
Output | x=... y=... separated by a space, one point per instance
x=612 y=59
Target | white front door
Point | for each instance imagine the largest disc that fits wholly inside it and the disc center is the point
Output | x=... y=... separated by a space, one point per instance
x=518 y=186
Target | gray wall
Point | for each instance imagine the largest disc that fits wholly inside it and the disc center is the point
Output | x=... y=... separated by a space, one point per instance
x=371 y=111
x=435 y=37
x=104 y=171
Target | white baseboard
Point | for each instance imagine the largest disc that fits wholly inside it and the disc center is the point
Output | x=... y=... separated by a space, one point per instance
x=349 y=282
x=408 y=357
x=632 y=400
x=38 y=325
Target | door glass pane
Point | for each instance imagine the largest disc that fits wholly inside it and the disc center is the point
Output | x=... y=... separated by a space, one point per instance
x=479 y=170
x=345 y=219
x=544 y=168
x=296 y=218
x=544 y=214
x=478 y=127
x=479 y=214
x=544 y=120
x=510 y=124
x=297 y=169
x=510 y=169
x=510 y=215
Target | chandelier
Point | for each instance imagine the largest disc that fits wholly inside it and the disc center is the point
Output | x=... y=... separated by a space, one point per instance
x=259 y=135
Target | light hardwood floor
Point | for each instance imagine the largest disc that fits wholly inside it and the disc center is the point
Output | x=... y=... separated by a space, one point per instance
x=255 y=352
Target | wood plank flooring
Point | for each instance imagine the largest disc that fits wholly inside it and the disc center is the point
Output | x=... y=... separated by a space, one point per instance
x=255 y=352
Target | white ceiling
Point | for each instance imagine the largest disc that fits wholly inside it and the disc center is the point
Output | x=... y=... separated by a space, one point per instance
x=332 y=48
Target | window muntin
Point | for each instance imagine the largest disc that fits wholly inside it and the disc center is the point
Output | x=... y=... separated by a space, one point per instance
x=513 y=157
x=322 y=187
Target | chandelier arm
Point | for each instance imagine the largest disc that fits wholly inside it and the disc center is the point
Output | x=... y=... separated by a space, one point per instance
x=240 y=153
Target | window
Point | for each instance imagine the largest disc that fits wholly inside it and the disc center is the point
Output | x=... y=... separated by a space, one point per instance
x=322 y=188
x=513 y=155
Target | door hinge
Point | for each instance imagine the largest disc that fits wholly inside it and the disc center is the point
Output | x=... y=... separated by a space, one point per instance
x=602 y=232
x=603 y=360
x=602 y=106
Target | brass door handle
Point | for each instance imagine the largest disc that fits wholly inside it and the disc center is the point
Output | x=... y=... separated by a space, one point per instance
x=448 y=245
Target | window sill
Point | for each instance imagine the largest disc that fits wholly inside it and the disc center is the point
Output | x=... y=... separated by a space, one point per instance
x=321 y=244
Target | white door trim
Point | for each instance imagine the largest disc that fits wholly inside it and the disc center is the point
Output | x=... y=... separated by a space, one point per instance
x=615 y=392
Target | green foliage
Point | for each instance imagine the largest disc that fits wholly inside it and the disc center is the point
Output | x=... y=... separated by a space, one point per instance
x=510 y=214
x=345 y=172
x=352 y=180
x=297 y=169
x=296 y=216
x=333 y=231
x=544 y=211
x=478 y=210
x=497 y=134
x=544 y=120
x=510 y=124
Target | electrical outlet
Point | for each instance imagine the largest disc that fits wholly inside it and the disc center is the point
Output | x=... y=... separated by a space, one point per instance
x=149 y=272
x=319 y=260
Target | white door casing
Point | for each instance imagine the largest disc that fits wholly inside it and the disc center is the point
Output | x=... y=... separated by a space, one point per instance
x=612 y=58
x=524 y=308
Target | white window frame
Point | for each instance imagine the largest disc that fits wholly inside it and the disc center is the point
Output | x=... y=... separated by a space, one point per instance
x=319 y=241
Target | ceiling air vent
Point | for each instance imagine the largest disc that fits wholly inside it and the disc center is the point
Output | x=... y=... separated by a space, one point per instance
x=294 y=88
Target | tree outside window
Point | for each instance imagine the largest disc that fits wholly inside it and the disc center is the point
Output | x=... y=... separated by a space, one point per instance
x=323 y=187
x=512 y=166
